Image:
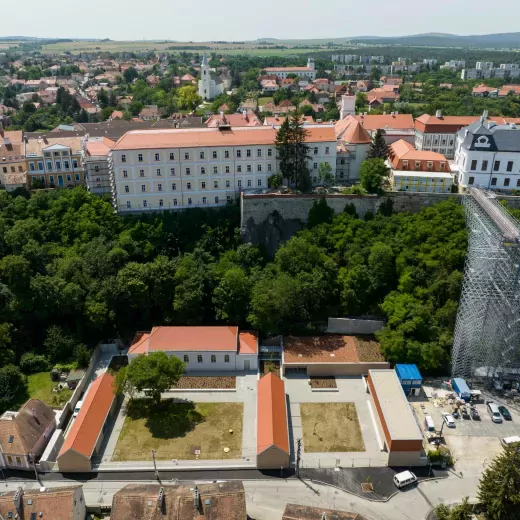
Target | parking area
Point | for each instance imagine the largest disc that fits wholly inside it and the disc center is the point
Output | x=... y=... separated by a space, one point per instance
x=349 y=390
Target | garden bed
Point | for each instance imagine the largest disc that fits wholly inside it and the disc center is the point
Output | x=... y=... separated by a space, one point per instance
x=207 y=382
x=269 y=366
x=368 y=350
x=323 y=382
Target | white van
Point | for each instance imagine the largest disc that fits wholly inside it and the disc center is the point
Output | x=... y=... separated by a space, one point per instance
x=77 y=409
x=405 y=478
x=428 y=423
x=494 y=412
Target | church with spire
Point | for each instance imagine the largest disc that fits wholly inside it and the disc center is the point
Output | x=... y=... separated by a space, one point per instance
x=212 y=85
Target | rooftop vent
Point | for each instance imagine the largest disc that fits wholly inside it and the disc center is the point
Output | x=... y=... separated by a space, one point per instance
x=438 y=113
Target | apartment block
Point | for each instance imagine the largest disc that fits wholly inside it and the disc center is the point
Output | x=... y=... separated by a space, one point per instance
x=176 y=169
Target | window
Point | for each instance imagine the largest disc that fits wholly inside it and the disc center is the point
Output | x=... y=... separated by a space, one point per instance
x=174 y=186
x=127 y=189
x=159 y=187
x=496 y=166
x=471 y=180
x=248 y=167
x=9 y=460
x=226 y=154
x=248 y=183
x=51 y=178
x=172 y=171
x=216 y=200
x=215 y=155
x=473 y=165
x=239 y=168
x=259 y=152
x=442 y=166
x=161 y=203
x=484 y=166
x=227 y=184
x=143 y=187
x=239 y=153
x=203 y=185
x=417 y=165
x=69 y=178
x=172 y=156
x=429 y=166
x=158 y=172
x=189 y=201
x=58 y=166
x=201 y=155
x=123 y=158
x=187 y=156
x=259 y=182
x=269 y=167
x=203 y=171
x=269 y=152
x=188 y=186
x=145 y=203
x=327 y=149
x=226 y=358
x=258 y=167
x=405 y=164
x=494 y=181
x=239 y=183
x=13 y=169
x=507 y=181
x=509 y=166
x=40 y=166
x=96 y=168
x=315 y=166
x=125 y=173
x=128 y=204
x=140 y=157
x=248 y=153
x=141 y=173
x=18 y=461
x=175 y=202
x=203 y=200
x=74 y=163
x=199 y=358
x=315 y=150
x=227 y=169
x=213 y=358
x=188 y=171
x=157 y=157
x=66 y=165
x=215 y=170
x=186 y=358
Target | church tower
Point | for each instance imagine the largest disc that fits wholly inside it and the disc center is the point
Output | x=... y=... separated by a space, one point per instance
x=310 y=63
x=205 y=79
x=348 y=104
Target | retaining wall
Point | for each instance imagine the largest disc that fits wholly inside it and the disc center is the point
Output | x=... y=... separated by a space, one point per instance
x=353 y=326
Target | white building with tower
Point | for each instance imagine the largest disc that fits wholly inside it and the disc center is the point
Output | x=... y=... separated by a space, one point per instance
x=211 y=84
x=347 y=105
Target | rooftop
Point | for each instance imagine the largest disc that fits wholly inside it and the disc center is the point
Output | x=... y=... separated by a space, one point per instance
x=350 y=130
x=36 y=146
x=99 y=147
x=396 y=410
x=223 y=500
x=394 y=121
x=331 y=348
x=248 y=343
x=405 y=371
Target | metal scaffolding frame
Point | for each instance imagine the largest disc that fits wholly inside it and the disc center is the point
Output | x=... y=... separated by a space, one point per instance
x=487 y=331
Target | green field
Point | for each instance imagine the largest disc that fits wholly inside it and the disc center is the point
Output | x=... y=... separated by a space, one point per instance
x=39 y=386
x=264 y=100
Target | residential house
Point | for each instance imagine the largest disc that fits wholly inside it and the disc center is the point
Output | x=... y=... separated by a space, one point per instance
x=317 y=107
x=85 y=436
x=116 y=114
x=323 y=84
x=269 y=86
x=25 y=434
x=391 y=81
x=377 y=97
x=202 y=349
x=418 y=171
x=487 y=154
x=95 y=164
x=484 y=91
x=353 y=142
x=393 y=126
x=218 y=500
x=188 y=79
x=55 y=503
x=445 y=86
x=55 y=161
x=506 y=90
x=12 y=159
x=149 y=113
x=234 y=120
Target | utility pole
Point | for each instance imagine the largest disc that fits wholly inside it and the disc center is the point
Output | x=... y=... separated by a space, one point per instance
x=155 y=466
x=298 y=457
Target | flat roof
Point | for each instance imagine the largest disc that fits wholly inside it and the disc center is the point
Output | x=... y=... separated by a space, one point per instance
x=405 y=371
x=332 y=348
x=395 y=407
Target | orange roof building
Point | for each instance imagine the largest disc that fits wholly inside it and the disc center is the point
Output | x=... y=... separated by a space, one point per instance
x=87 y=431
x=272 y=431
x=201 y=348
x=246 y=118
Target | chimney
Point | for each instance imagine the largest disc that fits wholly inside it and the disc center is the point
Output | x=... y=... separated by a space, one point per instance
x=485 y=114
x=196 y=498
x=7 y=141
x=438 y=114
x=17 y=499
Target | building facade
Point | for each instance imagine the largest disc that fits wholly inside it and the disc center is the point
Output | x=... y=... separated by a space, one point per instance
x=308 y=72
x=211 y=85
x=184 y=168
x=352 y=147
x=12 y=159
x=95 y=163
x=488 y=155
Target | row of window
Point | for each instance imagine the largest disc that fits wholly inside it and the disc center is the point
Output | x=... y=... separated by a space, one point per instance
x=496 y=166
x=200 y=360
x=429 y=165
x=202 y=185
x=507 y=182
x=175 y=202
x=77 y=178
x=187 y=171
x=202 y=154
x=13 y=169
x=10 y=460
x=57 y=165
x=421 y=180
x=55 y=154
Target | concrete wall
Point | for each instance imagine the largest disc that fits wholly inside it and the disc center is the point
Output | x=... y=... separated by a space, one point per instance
x=72 y=461
x=405 y=458
x=339 y=369
x=353 y=326
x=272 y=458
x=48 y=458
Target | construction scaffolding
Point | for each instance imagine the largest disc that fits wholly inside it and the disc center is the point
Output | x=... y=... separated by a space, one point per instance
x=487 y=331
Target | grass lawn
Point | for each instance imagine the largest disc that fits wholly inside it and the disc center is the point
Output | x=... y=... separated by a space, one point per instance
x=39 y=386
x=264 y=100
x=330 y=427
x=176 y=429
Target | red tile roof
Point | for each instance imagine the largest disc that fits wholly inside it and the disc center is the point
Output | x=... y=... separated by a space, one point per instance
x=396 y=122
x=99 y=147
x=85 y=430
x=403 y=150
x=350 y=130
x=271 y=414
x=248 y=343
x=193 y=338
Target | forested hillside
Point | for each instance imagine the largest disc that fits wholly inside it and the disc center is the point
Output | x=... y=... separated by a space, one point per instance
x=72 y=272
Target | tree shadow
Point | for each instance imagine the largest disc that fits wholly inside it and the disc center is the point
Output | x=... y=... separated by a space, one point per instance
x=170 y=419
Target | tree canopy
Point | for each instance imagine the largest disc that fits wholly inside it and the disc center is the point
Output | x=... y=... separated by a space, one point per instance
x=373 y=174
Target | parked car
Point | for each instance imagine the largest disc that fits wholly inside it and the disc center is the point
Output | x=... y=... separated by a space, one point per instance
x=505 y=413
x=448 y=419
x=507 y=441
x=405 y=478
x=494 y=413
x=77 y=409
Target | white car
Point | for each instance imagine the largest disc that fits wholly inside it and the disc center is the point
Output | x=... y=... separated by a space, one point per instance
x=448 y=419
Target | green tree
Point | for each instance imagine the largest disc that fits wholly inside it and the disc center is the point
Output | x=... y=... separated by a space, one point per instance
x=130 y=74
x=325 y=174
x=188 y=97
x=463 y=511
x=320 y=213
x=499 y=488
x=102 y=98
x=12 y=383
x=154 y=374
x=361 y=100
x=275 y=180
x=378 y=148
x=58 y=344
x=373 y=174
x=231 y=296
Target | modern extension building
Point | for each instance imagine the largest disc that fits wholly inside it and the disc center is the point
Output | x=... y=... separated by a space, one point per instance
x=174 y=169
x=95 y=163
x=202 y=349
x=488 y=155
x=410 y=378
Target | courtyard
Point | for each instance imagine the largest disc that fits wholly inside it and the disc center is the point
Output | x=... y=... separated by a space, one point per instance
x=331 y=427
x=180 y=429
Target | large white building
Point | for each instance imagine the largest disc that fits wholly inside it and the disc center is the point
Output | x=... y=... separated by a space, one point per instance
x=174 y=169
x=308 y=72
x=211 y=85
x=488 y=155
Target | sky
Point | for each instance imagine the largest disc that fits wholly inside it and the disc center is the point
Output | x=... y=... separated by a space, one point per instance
x=238 y=20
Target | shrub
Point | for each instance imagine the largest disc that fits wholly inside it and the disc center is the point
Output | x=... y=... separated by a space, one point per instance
x=31 y=363
x=82 y=355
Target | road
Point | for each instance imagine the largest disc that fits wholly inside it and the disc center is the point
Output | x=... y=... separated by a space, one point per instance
x=266 y=499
